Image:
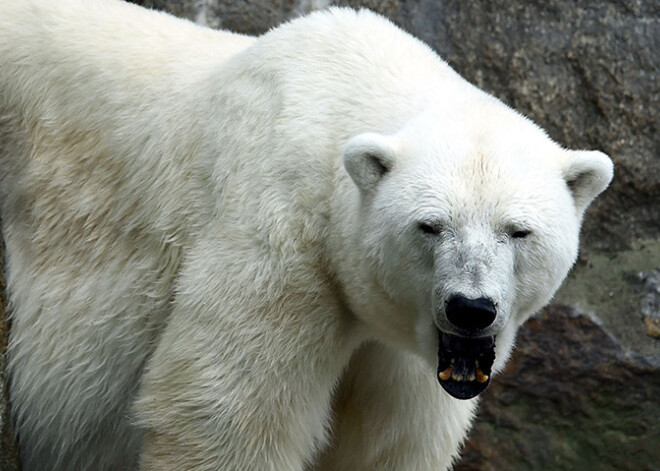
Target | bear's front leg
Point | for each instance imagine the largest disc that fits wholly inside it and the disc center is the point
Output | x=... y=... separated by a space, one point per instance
x=392 y=415
x=243 y=374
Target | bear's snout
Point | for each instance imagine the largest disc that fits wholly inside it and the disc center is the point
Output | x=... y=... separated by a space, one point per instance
x=470 y=314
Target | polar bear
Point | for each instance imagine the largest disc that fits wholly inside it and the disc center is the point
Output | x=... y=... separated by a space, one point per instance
x=310 y=250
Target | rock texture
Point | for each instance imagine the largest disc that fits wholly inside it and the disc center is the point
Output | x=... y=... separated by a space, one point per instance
x=581 y=391
x=244 y=16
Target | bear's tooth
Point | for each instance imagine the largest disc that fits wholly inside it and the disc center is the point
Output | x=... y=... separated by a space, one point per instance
x=481 y=377
x=445 y=375
x=457 y=377
x=470 y=378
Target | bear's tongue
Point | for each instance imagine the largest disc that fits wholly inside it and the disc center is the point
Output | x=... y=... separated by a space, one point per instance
x=464 y=364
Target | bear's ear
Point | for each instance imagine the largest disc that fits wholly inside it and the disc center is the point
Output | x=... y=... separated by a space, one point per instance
x=368 y=158
x=587 y=174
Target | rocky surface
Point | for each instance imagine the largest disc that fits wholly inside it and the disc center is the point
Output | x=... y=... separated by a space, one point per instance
x=581 y=391
x=244 y=16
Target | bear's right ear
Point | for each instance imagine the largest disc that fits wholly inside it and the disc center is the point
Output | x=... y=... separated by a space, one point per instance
x=587 y=174
x=368 y=158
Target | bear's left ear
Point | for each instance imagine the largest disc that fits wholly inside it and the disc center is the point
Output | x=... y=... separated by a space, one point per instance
x=587 y=174
x=368 y=158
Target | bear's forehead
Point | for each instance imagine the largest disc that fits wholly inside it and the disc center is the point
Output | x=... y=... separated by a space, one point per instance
x=485 y=161
x=495 y=148
x=477 y=169
x=479 y=184
x=471 y=186
x=468 y=205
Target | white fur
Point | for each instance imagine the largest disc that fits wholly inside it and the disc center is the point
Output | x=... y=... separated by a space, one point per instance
x=195 y=279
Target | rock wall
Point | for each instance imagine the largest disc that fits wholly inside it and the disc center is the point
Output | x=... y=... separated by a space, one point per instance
x=581 y=391
x=245 y=16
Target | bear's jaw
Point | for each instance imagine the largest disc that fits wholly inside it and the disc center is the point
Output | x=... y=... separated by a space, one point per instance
x=465 y=364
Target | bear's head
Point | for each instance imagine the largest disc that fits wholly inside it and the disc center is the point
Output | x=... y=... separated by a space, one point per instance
x=469 y=224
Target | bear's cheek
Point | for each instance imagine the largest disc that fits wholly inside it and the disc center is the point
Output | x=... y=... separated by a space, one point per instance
x=539 y=271
x=406 y=271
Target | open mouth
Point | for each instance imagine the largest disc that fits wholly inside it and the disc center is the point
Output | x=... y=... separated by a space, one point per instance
x=465 y=364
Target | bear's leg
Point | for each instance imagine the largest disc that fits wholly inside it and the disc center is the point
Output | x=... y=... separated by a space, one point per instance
x=243 y=382
x=79 y=339
x=391 y=414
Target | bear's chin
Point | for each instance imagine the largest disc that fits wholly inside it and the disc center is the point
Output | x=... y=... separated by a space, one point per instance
x=465 y=364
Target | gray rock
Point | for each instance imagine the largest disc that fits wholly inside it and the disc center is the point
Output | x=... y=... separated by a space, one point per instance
x=650 y=305
x=241 y=16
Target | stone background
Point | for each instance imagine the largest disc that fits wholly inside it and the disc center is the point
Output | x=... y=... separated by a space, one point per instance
x=581 y=392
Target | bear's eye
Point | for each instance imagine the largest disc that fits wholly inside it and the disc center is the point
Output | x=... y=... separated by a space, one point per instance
x=429 y=228
x=520 y=234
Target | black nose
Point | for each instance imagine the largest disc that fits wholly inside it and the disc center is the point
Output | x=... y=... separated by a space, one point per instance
x=470 y=314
